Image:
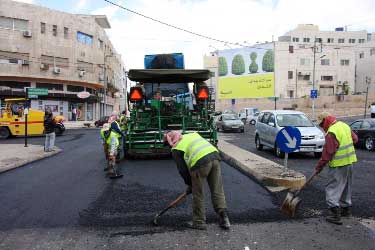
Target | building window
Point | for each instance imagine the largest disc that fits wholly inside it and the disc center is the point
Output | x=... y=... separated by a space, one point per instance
x=372 y=52
x=318 y=40
x=362 y=55
x=50 y=86
x=305 y=77
x=72 y=88
x=341 y=40
x=291 y=49
x=54 y=30
x=100 y=44
x=361 y=40
x=306 y=40
x=330 y=40
x=351 y=40
x=344 y=62
x=324 y=62
x=84 y=38
x=8 y=57
x=66 y=32
x=290 y=74
x=13 y=23
x=290 y=93
x=295 y=39
x=42 y=28
x=326 y=78
x=304 y=62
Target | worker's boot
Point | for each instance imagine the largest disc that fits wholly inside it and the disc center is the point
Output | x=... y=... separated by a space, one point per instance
x=193 y=225
x=346 y=212
x=335 y=216
x=224 y=220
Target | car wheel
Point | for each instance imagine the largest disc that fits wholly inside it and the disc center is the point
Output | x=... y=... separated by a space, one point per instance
x=252 y=122
x=217 y=129
x=243 y=120
x=4 y=133
x=96 y=124
x=369 y=143
x=317 y=154
x=258 y=145
x=242 y=130
x=278 y=152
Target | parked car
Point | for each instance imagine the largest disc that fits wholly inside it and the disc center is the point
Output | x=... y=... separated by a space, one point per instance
x=101 y=121
x=229 y=111
x=365 y=130
x=270 y=122
x=249 y=115
x=227 y=122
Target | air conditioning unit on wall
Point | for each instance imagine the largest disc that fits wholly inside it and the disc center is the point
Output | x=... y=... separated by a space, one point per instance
x=27 y=33
x=56 y=70
x=101 y=77
x=82 y=73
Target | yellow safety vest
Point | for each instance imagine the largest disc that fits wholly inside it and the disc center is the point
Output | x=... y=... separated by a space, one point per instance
x=195 y=148
x=118 y=125
x=345 y=154
x=122 y=120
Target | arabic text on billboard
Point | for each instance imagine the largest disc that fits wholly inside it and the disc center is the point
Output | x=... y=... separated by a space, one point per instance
x=246 y=72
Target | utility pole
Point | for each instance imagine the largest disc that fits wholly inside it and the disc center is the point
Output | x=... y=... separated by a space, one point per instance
x=313 y=80
x=368 y=81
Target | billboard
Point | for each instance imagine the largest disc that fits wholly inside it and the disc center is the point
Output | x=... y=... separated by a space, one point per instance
x=246 y=72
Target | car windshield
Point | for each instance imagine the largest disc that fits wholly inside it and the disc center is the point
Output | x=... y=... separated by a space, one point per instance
x=296 y=120
x=229 y=112
x=229 y=117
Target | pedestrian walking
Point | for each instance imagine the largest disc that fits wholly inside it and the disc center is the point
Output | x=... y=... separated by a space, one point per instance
x=110 y=144
x=339 y=154
x=372 y=110
x=198 y=161
x=49 y=130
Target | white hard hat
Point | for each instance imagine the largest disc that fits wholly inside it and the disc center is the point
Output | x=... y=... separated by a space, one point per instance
x=106 y=126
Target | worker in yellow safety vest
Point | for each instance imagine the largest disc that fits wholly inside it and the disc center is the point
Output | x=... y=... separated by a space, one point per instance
x=339 y=154
x=197 y=160
x=110 y=144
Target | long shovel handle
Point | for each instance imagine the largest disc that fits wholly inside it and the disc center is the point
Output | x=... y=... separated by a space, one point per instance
x=173 y=203
x=307 y=182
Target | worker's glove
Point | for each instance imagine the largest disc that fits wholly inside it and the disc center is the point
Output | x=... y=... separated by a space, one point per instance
x=318 y=169
x=188 y=190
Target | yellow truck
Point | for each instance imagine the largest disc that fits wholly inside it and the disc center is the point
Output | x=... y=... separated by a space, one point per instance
x=12 y=120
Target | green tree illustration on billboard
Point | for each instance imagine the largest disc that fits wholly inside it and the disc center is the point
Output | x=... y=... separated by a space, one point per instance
x=238 y=65
x=268 y=61
x=223 y=66
x=253 y=68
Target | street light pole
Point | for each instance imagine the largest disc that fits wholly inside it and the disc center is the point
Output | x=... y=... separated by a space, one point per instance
x=368 y=80
x=105 y=84
x=313 y=80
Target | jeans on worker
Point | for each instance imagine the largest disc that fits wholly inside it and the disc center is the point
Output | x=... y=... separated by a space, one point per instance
x=49 y=142
x=212 y=173
x=339 y=187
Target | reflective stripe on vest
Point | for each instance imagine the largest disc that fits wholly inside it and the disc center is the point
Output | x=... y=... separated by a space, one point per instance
x=345 y=154
x=194 y=147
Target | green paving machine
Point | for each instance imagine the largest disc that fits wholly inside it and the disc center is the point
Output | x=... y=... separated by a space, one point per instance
x=167 y=97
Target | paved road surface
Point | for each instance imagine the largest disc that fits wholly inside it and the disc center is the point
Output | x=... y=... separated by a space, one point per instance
x=64 y=202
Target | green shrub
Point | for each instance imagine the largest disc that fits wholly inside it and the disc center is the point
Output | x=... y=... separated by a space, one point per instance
x=223 y=66
x=268 y=61
x=238 y=65
x=253 y=68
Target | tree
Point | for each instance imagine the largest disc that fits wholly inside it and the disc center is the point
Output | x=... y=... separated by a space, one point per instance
x=253 y=68
x=238 y=65
x=223 y=66
x=268 y=61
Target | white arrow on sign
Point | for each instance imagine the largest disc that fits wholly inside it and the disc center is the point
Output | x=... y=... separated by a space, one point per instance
x=291 y=142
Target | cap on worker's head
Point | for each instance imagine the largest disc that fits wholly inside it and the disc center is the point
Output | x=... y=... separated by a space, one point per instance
x=106 y=126
x=322 y=116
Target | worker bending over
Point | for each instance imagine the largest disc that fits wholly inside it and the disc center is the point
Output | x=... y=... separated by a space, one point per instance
x=110 y=144
x=197 y=160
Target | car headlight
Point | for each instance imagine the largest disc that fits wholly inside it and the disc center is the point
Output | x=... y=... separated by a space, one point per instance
x=321 y=136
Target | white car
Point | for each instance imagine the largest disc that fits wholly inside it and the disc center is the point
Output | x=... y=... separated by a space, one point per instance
x=270 y=122
x=249 y=115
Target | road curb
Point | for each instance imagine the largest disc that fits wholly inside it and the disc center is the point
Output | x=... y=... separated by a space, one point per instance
x=267 y=173
x=30 y=160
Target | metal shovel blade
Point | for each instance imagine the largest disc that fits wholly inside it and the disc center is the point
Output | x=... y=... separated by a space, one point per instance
x=290 y=204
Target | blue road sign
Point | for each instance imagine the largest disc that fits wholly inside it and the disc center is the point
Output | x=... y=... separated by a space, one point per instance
x=288 y=139
x=233 y=101
x=314 y=93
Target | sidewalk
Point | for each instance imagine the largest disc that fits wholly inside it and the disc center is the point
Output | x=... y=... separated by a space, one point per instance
x=16 y=155
x=78 y=124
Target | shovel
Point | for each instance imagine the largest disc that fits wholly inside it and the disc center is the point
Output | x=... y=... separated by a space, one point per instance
x=292 y=200
x=172 y=204
x=115 y=175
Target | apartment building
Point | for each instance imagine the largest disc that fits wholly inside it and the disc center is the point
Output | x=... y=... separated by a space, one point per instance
x=365 y=66
x=65 y=53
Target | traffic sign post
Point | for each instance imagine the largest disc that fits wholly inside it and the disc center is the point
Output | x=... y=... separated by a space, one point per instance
x=288 y=140
x=314 y=94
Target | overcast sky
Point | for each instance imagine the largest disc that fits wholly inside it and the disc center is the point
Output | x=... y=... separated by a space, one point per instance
x=235 y=21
